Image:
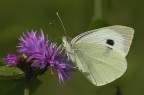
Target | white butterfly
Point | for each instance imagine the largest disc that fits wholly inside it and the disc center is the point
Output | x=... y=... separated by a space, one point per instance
x=100 y=53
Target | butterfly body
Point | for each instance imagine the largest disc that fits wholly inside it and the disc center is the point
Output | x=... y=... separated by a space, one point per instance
x=100 y=53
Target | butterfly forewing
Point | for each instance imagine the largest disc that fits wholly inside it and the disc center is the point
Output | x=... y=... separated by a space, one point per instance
x=116 y=37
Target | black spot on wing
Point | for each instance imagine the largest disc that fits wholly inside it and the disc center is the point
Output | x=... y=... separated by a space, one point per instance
x=110 y=42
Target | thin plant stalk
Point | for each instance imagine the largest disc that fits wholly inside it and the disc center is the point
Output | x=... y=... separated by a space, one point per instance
x=100 y=9
x=27 y=88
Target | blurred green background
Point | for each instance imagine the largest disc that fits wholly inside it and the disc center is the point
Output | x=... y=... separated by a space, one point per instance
x=17 y=16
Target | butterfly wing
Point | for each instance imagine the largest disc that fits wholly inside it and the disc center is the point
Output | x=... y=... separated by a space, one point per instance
x=119 y=38
x=100 y=54
x=99 y=64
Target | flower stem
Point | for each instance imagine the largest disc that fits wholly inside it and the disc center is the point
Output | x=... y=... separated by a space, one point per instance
x=27 y=87
x=100 y=9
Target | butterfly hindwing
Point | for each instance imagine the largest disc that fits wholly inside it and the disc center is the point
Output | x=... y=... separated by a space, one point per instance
x=99 y=64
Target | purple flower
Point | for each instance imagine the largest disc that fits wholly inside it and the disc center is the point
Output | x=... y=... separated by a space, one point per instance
x=44 y=53
x=11 y=60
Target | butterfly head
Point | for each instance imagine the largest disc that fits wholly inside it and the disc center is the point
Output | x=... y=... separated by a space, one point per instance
x=66 y=40
x=67 y=43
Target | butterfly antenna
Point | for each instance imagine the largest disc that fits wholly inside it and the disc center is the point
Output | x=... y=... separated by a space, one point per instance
x=61 y=22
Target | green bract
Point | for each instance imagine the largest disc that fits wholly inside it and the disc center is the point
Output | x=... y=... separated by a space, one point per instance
x=11 y=73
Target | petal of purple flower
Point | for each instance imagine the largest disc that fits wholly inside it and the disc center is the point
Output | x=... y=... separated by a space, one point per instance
x=11 y=60
x=30 y=43
x=63 y=71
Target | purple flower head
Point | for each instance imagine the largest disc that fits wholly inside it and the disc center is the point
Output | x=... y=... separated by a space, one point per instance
x=11 y=60
x=44 y=53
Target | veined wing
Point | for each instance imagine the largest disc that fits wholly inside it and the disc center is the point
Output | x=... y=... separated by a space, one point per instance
x=98 y=63
x=116 y=37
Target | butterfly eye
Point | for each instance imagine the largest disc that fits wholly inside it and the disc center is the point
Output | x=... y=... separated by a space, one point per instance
x=110 y=42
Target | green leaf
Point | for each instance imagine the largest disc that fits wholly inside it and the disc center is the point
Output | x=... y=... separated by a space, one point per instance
x=11 y=73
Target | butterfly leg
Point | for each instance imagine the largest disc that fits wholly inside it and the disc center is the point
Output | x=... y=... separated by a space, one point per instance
x=61 y=48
